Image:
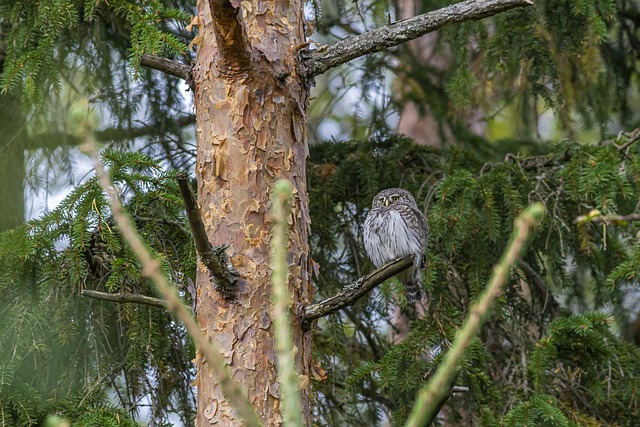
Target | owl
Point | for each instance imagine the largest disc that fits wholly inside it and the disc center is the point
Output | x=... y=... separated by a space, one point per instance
x=396 y=228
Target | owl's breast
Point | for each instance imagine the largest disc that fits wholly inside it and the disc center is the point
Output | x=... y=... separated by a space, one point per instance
x=387 y=236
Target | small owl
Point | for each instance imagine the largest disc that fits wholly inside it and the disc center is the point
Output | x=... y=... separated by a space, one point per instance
x=395 y=228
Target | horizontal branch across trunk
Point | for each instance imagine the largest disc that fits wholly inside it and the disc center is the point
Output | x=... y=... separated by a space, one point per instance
x=356 y=290
x=319 y=61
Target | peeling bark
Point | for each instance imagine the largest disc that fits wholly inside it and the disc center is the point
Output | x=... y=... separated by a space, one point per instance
x=250 y=132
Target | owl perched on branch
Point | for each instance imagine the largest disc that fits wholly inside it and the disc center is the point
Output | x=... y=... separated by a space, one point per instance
x=396 y=228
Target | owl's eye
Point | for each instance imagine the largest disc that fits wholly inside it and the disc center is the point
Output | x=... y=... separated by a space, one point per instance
x=395 y=198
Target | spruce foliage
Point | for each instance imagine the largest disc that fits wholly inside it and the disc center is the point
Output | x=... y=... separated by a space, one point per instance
x=63 y=348
x=559 y=348
x=544 y=355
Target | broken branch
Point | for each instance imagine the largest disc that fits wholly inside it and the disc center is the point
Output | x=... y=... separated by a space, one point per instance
x=356 y=290
x=124 y=297
x=167 y=66
x=317 y=62
x=214 y=258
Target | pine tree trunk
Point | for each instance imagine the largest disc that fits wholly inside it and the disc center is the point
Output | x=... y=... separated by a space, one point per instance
x=251 y=116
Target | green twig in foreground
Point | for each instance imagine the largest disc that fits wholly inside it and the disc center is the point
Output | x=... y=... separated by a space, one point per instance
x=425 y=409
x=280 y=208
x=151 y=268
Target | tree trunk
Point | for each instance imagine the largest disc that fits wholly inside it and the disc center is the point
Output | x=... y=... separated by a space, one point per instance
x=251 y=116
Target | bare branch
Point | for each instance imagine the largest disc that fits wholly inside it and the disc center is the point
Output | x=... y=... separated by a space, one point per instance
x=596 y=216
x=549 y=300
x=214 y=258
x=124 y=297
x=318 y=61
x=167 y=66
x=633 y=137
x=356 y=290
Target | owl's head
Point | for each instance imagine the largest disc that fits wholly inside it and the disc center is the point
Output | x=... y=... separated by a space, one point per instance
x=391 y=197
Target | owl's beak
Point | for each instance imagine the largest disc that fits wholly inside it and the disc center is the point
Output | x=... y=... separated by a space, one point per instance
x=386 y=202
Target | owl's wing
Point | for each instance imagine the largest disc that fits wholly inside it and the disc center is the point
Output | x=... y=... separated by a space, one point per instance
x=419 y=223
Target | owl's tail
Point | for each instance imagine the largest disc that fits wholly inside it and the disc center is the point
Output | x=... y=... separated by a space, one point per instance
x=416 y=298
x=413 y=290
x=412 y=283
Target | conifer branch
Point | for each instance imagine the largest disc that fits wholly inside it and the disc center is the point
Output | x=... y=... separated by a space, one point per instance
x=215 y=360
x=354 y=291
x=167 y=66
x=214 y=258
x=317 y=62
x=124 y=297
x=280 y=210
x=430 y=397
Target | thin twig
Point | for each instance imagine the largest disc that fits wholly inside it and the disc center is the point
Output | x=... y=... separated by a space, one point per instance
x=215 y=258
x=280 y=209
x=356 y=290
x=151 y=268
x=317 y=62
x=425 y=409
x=167 y=66
x=539 y=282
x=124 y=297
x=597 y=217
x=634 y=136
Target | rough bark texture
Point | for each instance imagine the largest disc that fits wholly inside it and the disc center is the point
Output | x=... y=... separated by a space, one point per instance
x=250 y=108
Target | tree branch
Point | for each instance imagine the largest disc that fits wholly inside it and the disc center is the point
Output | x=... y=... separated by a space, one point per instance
x=354 y=291
x=214 y=258
x=549 y=300
x=318 y=61
x=124 y=297
x=167 y=66
x=596 y=217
